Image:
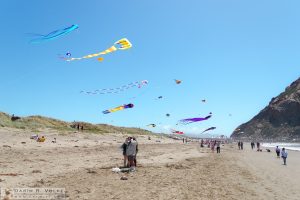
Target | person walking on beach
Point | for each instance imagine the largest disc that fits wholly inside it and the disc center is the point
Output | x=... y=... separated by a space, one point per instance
x=218 y=147
x=277 y=150
x=242 y=145
x=239 y=145
x=284 y=155
x=258 y=146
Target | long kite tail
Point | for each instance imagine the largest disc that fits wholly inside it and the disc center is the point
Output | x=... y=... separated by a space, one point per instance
x=118 y=89
x=122 y=44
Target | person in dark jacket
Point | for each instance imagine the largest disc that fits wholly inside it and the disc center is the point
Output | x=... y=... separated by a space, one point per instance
x=124 y=147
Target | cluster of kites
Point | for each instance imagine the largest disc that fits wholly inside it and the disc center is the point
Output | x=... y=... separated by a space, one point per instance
x=122 y=44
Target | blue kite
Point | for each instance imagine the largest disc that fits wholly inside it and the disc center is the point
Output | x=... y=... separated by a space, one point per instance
x=54 y=34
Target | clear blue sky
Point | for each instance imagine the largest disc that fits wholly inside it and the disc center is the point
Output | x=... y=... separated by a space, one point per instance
x=235 y=54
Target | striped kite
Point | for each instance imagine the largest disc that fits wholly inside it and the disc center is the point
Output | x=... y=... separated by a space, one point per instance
x=54 y=34
x=125 y=106
x=192 y=120
x=122 y=44
x=138 y=84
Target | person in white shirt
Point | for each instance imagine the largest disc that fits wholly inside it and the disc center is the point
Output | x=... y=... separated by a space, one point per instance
x=284 y=155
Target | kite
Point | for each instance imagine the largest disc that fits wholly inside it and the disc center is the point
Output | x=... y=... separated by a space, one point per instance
x=209 y=129
x=125 y=106
x=177 y=132
x=54 y=34
x=178 y=81
x=67 y=55
x=160 y=97
x=168 y=115
x=122 y=44
x=203 y=100
x=138 y=84
x=152 y=125
x=192 y=120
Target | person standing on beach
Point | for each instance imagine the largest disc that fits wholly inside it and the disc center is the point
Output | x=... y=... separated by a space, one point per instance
x=258 y=146
x=131 y=152
x=252 y=145
x=134 y=160
x=284 y=155
x=218 y=147
x=242 y=145
x=213 y=146
x=124 y=147
x=239 y=145
x=201 y=143
x=277 y=150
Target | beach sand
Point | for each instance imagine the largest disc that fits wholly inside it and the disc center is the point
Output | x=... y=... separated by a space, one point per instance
x=167 y=169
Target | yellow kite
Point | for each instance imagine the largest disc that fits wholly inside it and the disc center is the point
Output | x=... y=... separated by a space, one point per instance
x=122 y=44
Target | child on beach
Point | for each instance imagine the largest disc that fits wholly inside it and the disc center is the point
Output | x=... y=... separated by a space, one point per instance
x=284 y=155
x=277 y=150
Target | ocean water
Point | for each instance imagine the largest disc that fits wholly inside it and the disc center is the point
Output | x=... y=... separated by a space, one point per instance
x=289 y=146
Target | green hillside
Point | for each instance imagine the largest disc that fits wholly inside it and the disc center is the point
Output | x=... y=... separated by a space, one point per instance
x=39 y=122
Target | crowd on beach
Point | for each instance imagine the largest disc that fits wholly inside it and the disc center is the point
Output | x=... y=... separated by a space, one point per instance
x=212 y=144
x=130 y=150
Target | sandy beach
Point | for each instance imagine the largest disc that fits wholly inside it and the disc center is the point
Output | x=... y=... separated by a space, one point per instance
x=167 y=169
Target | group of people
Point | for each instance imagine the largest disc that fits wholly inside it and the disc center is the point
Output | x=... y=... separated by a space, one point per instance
x=130 y=150
x=240 y=145
x=283 y=151
x=257 y=145
x=212 y=144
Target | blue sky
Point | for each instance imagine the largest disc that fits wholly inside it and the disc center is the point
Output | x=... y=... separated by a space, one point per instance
x=235 y=54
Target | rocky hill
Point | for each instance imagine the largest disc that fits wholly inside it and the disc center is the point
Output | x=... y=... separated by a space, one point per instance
x=36 y=123
x=280 y=120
